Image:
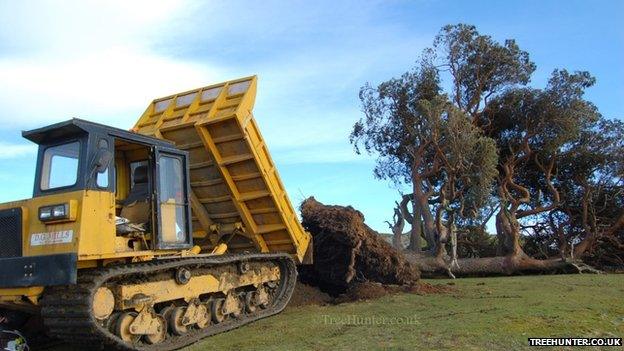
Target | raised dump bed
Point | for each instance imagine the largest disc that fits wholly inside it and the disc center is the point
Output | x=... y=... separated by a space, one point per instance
x=236 y=193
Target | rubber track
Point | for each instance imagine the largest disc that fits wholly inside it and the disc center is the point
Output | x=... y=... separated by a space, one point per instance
x=66 y=310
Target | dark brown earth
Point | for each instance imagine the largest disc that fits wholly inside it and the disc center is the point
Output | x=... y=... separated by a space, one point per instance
x=371 y=290
x=305 y=295
x=347 y=253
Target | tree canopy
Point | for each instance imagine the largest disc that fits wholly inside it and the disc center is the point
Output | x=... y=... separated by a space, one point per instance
x=544 y=159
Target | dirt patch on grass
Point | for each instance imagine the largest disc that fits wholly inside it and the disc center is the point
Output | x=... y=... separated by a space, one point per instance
x=370 y=291
x=305 y=294
x=347 y=252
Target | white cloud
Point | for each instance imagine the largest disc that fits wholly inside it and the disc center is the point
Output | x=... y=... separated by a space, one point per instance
x=112 y=86
x=70 y=27
x=89 y=59
x=104 y=61
x=8 y=150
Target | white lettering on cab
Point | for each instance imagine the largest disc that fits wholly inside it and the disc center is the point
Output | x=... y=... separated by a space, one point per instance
x=60 y=237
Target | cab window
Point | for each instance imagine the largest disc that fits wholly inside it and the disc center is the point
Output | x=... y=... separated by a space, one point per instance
x=172 y=200
x=60 y=166
x=102 y=177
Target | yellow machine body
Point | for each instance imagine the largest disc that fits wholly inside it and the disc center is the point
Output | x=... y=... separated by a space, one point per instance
x=89 y=231
x=235 y=187
x=237 y=199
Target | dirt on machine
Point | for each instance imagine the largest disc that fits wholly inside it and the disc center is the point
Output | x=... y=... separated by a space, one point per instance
x=154 y=238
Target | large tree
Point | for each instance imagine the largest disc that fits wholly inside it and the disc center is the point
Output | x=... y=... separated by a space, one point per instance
x=443 y=148
x=396 y=128
x=534 y=130
x=424 y=141
x=589 y=224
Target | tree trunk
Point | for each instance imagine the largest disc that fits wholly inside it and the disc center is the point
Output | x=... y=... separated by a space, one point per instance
x=397 y=227
x=513 y=260
x=416 y=230
x=397 y=240
x=442 y=237
x=428 y=225
x=508 y=233
x=450 y=228
x=454 y=260
x=499 y=265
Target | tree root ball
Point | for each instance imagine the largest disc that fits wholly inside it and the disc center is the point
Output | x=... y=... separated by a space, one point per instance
x=347 y=252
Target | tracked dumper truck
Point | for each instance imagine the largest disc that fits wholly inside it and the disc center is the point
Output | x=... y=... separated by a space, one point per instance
x=154 y=238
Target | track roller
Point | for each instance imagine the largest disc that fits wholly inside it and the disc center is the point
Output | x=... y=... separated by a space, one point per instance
x=122 y=327
x=175 y=321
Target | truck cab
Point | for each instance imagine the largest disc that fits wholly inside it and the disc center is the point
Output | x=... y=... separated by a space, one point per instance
x=100 y=193
x=127 y=232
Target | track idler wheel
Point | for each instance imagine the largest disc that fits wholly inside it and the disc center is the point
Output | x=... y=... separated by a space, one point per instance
x=216 y=310
x=103 y=303
x=176 y=321
x=250 y=302
x=122 y=327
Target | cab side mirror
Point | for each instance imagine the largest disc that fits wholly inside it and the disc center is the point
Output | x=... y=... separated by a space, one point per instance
x=103 y=158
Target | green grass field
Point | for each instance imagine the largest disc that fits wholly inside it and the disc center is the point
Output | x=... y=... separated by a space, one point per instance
x=481 y=314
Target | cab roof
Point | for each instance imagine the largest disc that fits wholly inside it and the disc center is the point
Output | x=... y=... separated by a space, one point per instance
x=76 y=126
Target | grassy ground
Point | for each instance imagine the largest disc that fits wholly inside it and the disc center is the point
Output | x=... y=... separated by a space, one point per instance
x=483 y=313
x=480 y=314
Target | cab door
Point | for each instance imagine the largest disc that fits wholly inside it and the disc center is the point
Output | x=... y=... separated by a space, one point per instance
x=171 y=201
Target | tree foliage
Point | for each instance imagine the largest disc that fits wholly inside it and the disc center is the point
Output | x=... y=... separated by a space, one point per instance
x=395 y=123
x=479 y=66
x=544 y=158
x=423 y=140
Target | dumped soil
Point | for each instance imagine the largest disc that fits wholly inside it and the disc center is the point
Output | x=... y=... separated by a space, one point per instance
x=371 y=290
x=348 y=253
x=306 y=295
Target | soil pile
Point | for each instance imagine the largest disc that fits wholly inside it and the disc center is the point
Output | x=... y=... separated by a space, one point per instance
x=306 y=295
x=347 y=252
x=371 y=290
x=309 y=295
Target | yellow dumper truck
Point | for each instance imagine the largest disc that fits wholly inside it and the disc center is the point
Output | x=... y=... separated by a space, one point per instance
x=154 y=238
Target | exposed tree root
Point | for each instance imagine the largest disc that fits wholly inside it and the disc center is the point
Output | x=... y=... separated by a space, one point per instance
x=347 y=251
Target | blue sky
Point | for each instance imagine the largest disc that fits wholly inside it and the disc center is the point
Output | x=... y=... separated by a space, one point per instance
x=105 y=60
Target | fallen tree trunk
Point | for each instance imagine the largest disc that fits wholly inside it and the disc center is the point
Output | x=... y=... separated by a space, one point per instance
x=499 y=265
x=347 y=251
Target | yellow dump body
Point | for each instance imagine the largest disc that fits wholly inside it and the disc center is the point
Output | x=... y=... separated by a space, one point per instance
x=235 y=187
